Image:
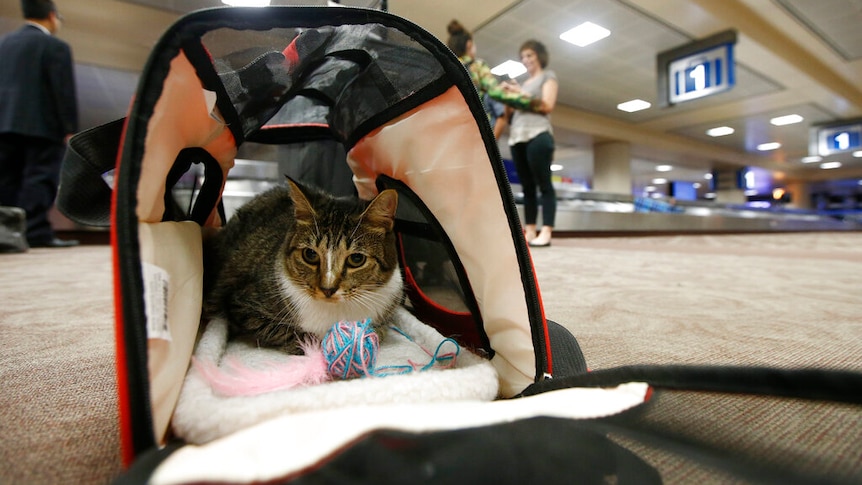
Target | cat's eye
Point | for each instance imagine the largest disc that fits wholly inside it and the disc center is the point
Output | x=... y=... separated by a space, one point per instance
x=310 y=256
x=356 y=260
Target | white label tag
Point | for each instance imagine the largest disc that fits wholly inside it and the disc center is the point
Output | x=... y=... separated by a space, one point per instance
x=156 y=283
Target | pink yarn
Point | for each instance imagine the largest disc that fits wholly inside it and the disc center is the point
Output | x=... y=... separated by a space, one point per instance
x=234 y=378
x=350 y=349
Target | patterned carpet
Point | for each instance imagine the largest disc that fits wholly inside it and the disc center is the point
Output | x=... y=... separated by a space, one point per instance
x=785 y=300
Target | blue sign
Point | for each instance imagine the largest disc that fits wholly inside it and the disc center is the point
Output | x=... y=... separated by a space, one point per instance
x=839 y=139
x=701 y=74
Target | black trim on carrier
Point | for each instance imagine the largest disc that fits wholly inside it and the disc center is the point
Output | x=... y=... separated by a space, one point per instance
x=833 y=385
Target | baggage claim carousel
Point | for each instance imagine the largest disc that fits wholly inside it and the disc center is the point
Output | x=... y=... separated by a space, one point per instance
x=598 y=214
x=590 y=213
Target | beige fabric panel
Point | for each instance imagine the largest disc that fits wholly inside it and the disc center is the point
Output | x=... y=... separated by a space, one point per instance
x=437 y=150
x=185 y=116
x=171 y=254
x=295 y=443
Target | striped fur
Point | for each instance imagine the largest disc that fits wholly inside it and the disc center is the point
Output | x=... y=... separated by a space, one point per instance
x=295 y=260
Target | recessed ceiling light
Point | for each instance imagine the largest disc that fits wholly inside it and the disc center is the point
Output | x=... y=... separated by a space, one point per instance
x=857 y=154
x=246 y=3
x=720 y=131
x=707 y=176
x=663 y=168
x=811 y=159
x=509 y=68
x=650 y=188
x=556 y=167
x=633 y=105
x=696 y=185
x=786 y=120
x=659 y=181
x=585 y=34
x=830 y=165
x=765 y=147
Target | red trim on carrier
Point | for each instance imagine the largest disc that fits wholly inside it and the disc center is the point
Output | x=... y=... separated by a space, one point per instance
x=448 y=322
x=127 y=449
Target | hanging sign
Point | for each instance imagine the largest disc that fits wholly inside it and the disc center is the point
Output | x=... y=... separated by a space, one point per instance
x=696 y=70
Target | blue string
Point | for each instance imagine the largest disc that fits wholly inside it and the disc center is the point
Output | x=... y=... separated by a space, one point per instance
x=390 y=370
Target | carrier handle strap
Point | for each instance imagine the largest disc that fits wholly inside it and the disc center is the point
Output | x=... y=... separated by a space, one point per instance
x=815 y=384
x=209 y=195
x=86 y=175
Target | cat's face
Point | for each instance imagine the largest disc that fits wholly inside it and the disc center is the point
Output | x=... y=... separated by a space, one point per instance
x=340 y=262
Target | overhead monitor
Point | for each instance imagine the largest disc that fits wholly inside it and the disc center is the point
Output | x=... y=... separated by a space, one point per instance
x=836 y=137
x=696 y=70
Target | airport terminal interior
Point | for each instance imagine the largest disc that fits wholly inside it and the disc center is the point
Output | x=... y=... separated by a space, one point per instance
x=770 y=143
x=708 y=176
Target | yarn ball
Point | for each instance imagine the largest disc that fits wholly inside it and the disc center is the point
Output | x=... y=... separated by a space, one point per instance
x=350 y=349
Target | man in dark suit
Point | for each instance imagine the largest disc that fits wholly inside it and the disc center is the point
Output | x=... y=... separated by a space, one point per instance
x=38 y=113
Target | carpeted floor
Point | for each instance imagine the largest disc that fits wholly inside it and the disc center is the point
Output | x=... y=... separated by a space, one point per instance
x=768 y=299
x=58 y=405
x=786 y=300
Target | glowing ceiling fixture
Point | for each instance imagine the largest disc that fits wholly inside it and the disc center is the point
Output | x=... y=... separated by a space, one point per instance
x=830 y=165
x=556 y=167
x=246 y=3
x=663 y=168
x=633 y=105
x=811 y=159
x=720 y=131
x=585 y=34
x=765 y=147
x=857 y=154
x=509 y=68
x=786 y=120
x=659 y=181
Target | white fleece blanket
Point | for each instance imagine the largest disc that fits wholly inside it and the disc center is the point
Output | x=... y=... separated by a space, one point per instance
x=203 y=413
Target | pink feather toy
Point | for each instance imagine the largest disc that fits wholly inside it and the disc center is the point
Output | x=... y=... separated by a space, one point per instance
x=348 y=350
x=234 y=378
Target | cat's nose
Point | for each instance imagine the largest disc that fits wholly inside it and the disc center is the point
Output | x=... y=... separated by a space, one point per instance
x=328 y=292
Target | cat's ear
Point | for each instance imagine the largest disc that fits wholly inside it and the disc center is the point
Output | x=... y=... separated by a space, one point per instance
x=301 y=206
x=381 y=210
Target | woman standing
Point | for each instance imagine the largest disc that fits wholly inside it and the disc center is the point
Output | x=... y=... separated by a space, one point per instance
x=461 y=43
x=531 y=141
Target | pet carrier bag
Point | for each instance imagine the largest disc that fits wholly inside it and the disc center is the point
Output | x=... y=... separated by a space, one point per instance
x=402 y=113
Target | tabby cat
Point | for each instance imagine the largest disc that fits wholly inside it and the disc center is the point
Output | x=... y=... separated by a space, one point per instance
x=295 y=260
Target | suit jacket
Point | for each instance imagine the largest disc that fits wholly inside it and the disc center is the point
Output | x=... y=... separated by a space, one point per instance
x=37 y=85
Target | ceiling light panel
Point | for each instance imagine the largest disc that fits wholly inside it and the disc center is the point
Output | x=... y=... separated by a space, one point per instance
x=633 y=105
x=720 y=131
x=786 y=120
x=246 y=3
x=509 y=68
x=585 y=34
x=765 y=147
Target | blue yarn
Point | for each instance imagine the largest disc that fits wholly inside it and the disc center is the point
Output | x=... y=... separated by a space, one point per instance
x=436 y=358
x=350 y=350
